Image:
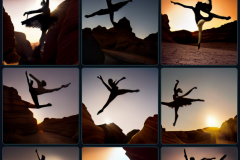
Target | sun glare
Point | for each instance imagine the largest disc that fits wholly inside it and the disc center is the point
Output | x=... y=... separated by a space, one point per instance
x=107 y=120
x=118 y=154
x=211 y=122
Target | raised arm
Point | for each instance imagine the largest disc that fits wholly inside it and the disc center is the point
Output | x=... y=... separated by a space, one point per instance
x=190 y=7
x=37 y=155
x=189 y=92
x=185 y=154
x=100 y=77
x=175 y=87
x=27 y=79
x=120 y=80
x=34 y=11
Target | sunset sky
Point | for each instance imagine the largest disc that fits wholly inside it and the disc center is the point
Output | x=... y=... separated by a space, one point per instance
x=65 y=102
x=128 y=111
x=177 y=153
x=16 y=9
x=142 y=14
x=218 y=87
x=50 y=153
x=104 y=153
x=183 y=18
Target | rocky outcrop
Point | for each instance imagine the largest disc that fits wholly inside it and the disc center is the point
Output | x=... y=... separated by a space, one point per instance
x=91 y=133
x=17 y=118
x=66 y=126
x=113 y=134
x=148 y=134
x=9 y=52
x=23 y=46
x=62 y=42
x=228 y=130
x=92 y=53
x=183 y=37
x=166 y=33
x=141 y=153
x=131 y=134
x=121 y=38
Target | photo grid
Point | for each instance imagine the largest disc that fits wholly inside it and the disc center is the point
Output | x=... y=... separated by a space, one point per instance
x=141 y=80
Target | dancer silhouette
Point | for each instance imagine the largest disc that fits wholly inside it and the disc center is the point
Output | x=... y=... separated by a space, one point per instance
x=43 y=21
x=110 y=10
x=200 y=20
x=40 y=90
x=43 y=157
x=180 y=101
x=192 y=158
x=114 y=91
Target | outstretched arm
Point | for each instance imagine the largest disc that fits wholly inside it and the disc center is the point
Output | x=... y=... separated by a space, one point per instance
x=175 y=87
x=189 y=92
x=37 y=154
x=34 y=11
x=120 y=80
x=27 y=79
x=100 y=77
x=190 y=7
x=185 y=154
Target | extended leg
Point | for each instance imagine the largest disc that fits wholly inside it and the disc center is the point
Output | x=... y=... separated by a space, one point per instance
x=123 y=91
x=110 y=99
x=219 y=17
x=35 y=100
x=194 y=100
x=100 y=12
x=41 y=41
x=176 y=115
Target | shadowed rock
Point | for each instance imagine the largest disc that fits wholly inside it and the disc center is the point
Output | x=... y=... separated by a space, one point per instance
x=17 y=118
x=166 y=33
x=67 y=126
x=228 y=130
x=121 y=38
x=91 y=133
x=92 y=53
x=113 y=134
x=9 y=52
x=131 y=134
x=61 y=43
x=23 y=46
x=148 y=134
x=135 y=153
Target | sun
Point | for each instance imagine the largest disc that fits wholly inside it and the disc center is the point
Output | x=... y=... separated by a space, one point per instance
x=211 y=122
x=107 y=120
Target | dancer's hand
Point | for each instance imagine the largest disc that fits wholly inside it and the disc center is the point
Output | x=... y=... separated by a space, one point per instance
x=173 y=2
x=194 y=87
x=36 y=150
x=66 y=85
x=99 y=77
x=177 y=81
x=25 y=13
x=26 y=72
x=123 y=77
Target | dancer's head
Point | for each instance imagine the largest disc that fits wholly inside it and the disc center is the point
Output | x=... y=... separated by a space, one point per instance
x=43 y=157
x=198 y=5
x=43 y=2
x=192 y=158
x=179 y=90
x=43 y=83
x=110 y=81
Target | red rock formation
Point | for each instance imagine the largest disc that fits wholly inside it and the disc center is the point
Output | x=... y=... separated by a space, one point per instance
x=92 y=53
x=9 y=53
x=113 y=134
x=17 y=118
x=123 y=39
x=148 y=134
x=142 y=153
x=228 y=130
x=166 y=33
x=66 y=126
x=91 y=133
x=62 y=45
x=23 y=46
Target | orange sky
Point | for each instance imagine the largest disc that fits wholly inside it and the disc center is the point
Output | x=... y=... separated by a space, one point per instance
x=183 y=18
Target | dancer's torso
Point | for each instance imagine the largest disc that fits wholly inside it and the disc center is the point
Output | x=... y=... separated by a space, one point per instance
x=46 y=10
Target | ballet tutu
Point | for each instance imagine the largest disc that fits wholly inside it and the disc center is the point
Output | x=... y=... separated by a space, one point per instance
x=179 y=102
x=44 y=22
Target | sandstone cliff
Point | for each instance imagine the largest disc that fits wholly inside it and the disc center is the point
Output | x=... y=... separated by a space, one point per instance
x=135 y=153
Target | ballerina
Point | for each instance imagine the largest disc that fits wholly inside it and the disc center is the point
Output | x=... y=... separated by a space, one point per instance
x=110 y=10
x=114 y=91
x=180 y=101
x=43 y=157
x=44 y=21
x=40 y=90
x=200 y=20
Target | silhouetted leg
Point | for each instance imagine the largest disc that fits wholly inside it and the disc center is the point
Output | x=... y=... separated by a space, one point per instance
x=176 y=115
x=35 y=100
x=223 y=157
x=219 y=17
x=110 y=99
x=123 y=91
x=111 y=18
x=42 y=39
x=194 y=100
x=119 y=5
x=100 y=12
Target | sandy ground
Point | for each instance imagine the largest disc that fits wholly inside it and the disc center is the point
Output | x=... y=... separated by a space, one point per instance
x=208 y=54
x=123 y=58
